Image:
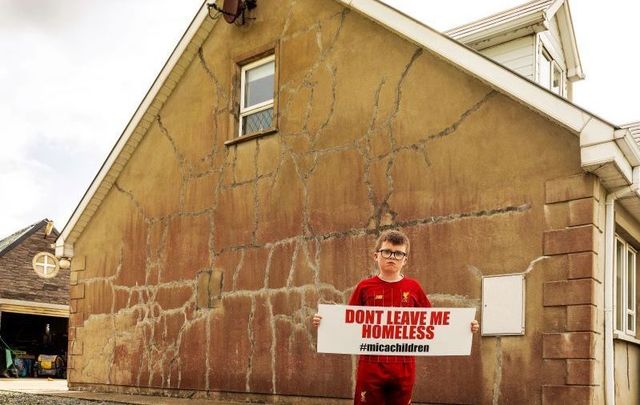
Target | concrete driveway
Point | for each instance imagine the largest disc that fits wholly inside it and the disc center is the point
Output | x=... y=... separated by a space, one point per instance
x=34 y=385
x=58 y=388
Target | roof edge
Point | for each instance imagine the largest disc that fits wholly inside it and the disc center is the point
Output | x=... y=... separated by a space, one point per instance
x=34 y=228
x=569 y=42
x=536 y=22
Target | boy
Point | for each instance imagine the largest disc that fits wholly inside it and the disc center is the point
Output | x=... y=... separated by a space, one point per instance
x=388 y=379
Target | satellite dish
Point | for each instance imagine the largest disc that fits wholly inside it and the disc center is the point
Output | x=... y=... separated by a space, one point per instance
x=231 y=9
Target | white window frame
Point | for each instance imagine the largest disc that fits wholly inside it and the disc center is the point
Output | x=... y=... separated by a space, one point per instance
x=245 y=111
x=554 y=65
x=628 y=328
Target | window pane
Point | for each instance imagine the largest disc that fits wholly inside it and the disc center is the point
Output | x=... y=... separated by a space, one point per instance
x=631 y=280
x=257 y=122
x=545 y=70
x=631 y=292
x=259 y=84
x=556 y=81
x=620 y=307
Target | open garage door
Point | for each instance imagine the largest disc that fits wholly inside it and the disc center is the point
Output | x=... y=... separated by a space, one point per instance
x=29 y=333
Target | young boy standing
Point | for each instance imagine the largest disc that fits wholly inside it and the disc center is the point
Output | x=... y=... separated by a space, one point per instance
x=388 y=379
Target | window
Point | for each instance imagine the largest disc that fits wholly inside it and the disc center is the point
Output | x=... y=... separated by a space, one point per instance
x=545 y=70
x=45 y=265
x=550 y=74
x=625 y=293
x=556 y=79
x=257 y=96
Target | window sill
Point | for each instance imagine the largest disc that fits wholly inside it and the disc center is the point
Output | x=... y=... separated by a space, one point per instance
x=255 y=135
x=626 y=338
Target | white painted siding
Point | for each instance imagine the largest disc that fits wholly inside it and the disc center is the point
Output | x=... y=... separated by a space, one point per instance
x=517 y=55
x=553 y=43
x=634 y=127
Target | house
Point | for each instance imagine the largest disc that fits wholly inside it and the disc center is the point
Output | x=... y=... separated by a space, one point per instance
x=34 y=303
x=535 y=40
x=253 y=179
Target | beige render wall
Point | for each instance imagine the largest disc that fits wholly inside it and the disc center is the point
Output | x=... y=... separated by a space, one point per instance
x=627 y=372
x=204 y=263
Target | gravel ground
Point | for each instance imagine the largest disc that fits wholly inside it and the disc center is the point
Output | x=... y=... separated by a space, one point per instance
x=18 y=398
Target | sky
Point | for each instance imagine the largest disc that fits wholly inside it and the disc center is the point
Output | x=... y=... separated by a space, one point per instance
x=72 y=73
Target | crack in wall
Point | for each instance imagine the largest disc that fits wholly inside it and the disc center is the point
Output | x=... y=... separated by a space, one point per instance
x=366 y=152
x=362 y=231
x=294 y=260
x=533 y=263
x=236 y=273
x=497 y=375
x=256 y=197
x=383 y=208
x=132 y=198
x=274 y=345
x=252 y=343
x=453 y=127
x=628 y=367
x=267 y=270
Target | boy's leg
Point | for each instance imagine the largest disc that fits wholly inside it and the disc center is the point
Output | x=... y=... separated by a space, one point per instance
x=370 y=380
x=402 y=386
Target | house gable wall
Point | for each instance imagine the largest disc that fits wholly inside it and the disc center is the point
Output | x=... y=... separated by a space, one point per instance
x=20 y=281
x=204 y=263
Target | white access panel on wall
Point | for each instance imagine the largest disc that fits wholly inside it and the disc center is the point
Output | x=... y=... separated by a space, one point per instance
x=503 y=305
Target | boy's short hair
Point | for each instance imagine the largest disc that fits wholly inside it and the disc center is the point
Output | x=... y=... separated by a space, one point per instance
x=394 y=237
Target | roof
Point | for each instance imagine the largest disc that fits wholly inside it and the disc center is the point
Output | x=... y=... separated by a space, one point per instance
x=17 y=237
x=520 y=14
x=526 y=19
x=634 y=127
x=606 y=150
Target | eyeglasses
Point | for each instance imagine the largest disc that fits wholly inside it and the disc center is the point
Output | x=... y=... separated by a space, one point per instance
x=395 y=254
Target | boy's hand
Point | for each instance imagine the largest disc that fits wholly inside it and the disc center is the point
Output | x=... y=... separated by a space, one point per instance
x=475 y=326
x=316 y=320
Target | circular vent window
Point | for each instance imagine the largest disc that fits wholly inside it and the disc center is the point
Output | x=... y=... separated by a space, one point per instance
x=45 y=265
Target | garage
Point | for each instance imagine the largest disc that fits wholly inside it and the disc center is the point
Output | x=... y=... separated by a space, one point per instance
x=28 y=336
x=34 y=310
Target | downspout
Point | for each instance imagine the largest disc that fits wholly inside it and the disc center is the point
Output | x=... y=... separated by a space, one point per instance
x=609 y=271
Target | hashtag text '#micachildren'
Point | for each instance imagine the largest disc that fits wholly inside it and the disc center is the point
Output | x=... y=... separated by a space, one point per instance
x=393 y=348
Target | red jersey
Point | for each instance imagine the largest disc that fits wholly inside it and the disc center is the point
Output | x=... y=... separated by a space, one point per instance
x=375 y=292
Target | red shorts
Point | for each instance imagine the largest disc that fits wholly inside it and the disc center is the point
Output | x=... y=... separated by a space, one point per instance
x=382 y=383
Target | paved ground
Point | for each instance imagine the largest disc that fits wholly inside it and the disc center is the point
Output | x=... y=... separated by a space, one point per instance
x=42 y=391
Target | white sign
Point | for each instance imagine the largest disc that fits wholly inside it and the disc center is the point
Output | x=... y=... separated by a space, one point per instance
x=395 y=331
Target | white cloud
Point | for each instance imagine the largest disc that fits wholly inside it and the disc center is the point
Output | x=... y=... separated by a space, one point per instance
x=72 y=74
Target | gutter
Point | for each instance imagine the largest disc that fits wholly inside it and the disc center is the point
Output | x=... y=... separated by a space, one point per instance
x=609 y=271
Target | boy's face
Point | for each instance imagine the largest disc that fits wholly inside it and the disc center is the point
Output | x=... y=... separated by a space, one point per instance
x=391 y=264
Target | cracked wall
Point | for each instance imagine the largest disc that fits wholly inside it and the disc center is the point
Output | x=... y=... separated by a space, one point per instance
x=373 y=133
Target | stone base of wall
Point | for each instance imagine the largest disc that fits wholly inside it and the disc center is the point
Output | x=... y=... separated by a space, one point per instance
x=232 y=397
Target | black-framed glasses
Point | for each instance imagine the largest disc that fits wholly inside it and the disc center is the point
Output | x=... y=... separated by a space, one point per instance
x=392 y=254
